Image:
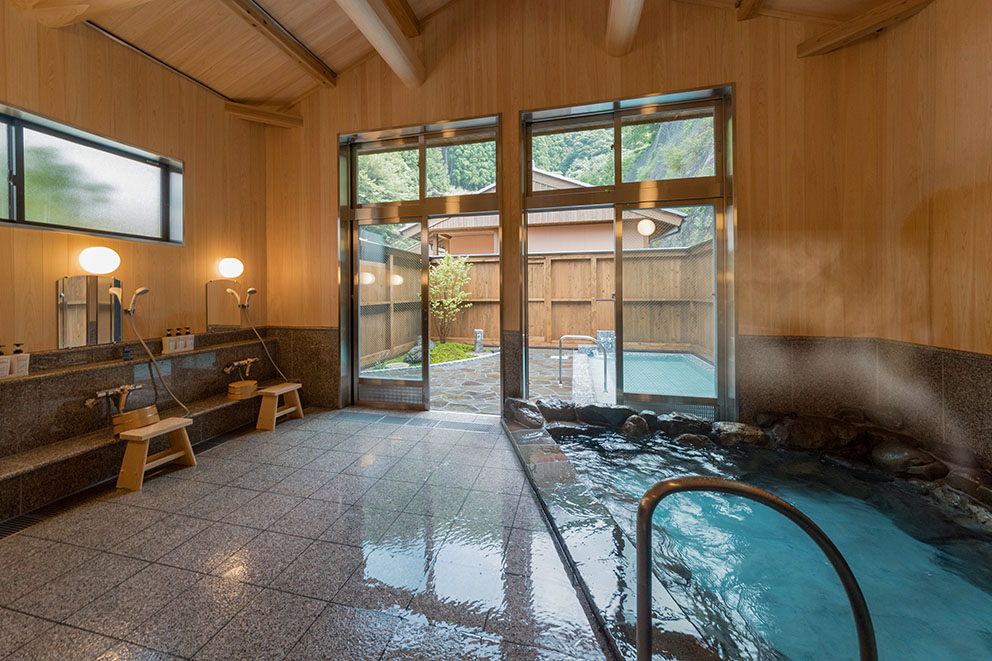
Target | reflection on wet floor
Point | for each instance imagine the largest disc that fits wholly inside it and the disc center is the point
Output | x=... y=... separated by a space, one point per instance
x=346 y=535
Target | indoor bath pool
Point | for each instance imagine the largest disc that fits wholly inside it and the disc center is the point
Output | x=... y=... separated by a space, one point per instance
x=757 y=588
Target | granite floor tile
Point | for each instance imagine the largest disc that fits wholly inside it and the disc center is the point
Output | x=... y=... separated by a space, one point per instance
x=385 y=582
x=208 y=549
x=262 y=559
x=76 y=588
x=389 y=495
x=161 y=537
x=257 y=451
x=529 y=514
x=189 y=621
x=407 y=433
x=465 y=455
x=27 y=574
x=395 y=447
x=478 y=441
x=263 y=511
x=455 y=475
x=121 y=609
x=132 y=652
x=320 y=570
x=290 y=436
x=410 y=470
x=309 y=519
x=459 y=594
x=371 y=465
x=345 y=489
x=220 y=503
x=298 y=456
x=342 y=632
x=487 y=506
x=167 y=493
x=302 y=483
x=262 y=478
x=499 y=458
x=440 y=502
x=267 y=629
x=500 y=480
x=214 y=470
x=334 y=461
x=530 y=551
x=324 y=440
x=363 y=442
x=18 y=547
x=360 y=526
x=17 y=629
x=65 y=644
x=432 y=453
x=100 y=525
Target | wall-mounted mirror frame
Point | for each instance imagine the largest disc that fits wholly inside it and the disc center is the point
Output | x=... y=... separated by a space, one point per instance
x=87 y=313
x=222 y=308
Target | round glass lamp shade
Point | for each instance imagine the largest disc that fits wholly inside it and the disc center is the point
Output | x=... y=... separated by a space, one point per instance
x=366 y=278
x=231 y=267
x=645 y=227
x=99 y=260
x=396 y=279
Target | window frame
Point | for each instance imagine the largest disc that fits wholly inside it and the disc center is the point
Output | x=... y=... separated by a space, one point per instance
x=619 y=191
x=15 y=122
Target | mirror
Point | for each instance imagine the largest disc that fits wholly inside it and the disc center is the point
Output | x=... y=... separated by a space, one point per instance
x=222 y=308
x=87 y=313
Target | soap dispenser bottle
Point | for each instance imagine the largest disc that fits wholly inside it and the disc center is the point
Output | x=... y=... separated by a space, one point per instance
x=21 y=361
x=4 y=363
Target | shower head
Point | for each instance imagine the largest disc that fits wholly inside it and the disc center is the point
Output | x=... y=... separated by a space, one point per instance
x=235 y=294
x=251 y=290
x=140 y=291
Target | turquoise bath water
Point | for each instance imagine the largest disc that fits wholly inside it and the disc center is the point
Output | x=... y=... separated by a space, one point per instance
x=651 y=373
x=758 y=588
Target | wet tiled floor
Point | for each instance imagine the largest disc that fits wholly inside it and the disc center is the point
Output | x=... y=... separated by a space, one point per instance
x=345 y=535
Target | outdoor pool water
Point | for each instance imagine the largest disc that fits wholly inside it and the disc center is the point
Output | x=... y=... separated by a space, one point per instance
x=654 y=373
x=757 y=588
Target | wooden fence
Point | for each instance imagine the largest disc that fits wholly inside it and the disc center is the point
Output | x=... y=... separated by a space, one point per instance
x=668 y=300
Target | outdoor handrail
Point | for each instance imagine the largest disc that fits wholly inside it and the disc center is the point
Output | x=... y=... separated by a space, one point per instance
x=645 y=512
x=591 y=339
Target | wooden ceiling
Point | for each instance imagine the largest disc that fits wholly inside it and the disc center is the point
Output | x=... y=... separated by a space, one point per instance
x=270 y=53
x=208 y=41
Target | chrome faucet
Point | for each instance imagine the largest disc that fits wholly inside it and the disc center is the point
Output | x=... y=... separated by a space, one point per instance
x=122 y=392
x=238 y=365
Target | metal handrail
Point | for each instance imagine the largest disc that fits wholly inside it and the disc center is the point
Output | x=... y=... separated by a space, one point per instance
x=591 y=339
x=645 y=512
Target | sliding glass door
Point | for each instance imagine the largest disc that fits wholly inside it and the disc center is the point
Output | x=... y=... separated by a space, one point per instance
x=390 y=290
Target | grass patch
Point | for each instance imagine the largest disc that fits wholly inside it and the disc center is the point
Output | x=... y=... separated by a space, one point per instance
x=445 y=353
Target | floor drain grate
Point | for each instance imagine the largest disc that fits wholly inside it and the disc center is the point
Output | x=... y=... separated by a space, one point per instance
x=19 y=523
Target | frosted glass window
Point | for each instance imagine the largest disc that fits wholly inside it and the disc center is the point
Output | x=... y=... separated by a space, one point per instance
x=74 y=185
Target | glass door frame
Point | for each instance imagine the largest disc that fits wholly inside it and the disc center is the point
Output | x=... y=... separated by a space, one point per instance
x=720 y=329
x=367 y=218
x=354 y=215
x=716 y=190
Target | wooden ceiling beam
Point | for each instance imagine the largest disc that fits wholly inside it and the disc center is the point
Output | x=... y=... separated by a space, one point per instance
x=621 y=25
x=748 y=9
x=60 y=13
x=373 y=20
x=268 y=116
x=859 y=27
x=272 y=30
x=403 y=14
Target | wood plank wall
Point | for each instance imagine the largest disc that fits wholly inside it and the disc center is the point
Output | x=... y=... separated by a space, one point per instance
x=864 y=177
x=76 y=76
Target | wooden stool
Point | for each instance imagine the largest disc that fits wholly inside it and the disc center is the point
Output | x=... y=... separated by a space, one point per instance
x=136 y=459
x=271 y=411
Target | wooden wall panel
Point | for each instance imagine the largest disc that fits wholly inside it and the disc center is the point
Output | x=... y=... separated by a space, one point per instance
x=863 y=181
x=76 y=76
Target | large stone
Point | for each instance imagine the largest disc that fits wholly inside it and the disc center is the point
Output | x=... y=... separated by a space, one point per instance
x=696 y=440
x=853 y=414
x=556 y=409
x=768 y=418
x=729 y=434
x=570 y=429
x=604 y=415
x=676 y=424
x=884 y=416
x=414 y=355
x=969 y=480
x=906 y=461
x=635 y=426
x=651 y=418
x=522 y=411
x=814 y=433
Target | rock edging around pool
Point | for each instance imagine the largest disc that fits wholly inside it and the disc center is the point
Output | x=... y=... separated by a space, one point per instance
x=867 y=443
